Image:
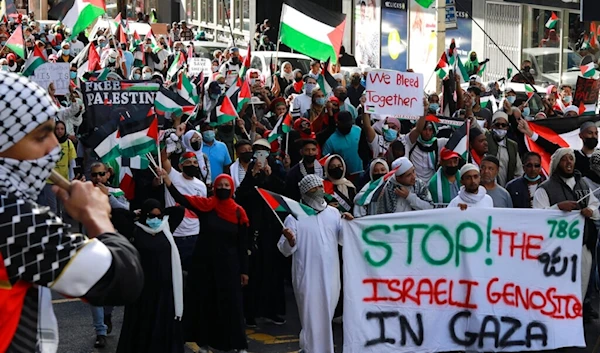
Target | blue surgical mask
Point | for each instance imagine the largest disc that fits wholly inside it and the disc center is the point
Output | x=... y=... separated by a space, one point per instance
x=321 y=101
x=532 y=179
x=136 y=76
x=208 y=135
x=66 y=51
x=308 y=88
x=473 y=102
x=3 y=42
x=73 y=74
x=526 y=111
x=434 y=106
x=567 y=99
x=154 y=223
x=4 y=68
x=102 y=44
x=511 y=99
x=214 y=96
x=390 y=135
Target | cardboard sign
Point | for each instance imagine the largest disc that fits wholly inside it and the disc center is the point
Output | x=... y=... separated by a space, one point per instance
x=394 y=93
x=53 y=72
x=198 y=65
x=586 y=91
x=450 y=280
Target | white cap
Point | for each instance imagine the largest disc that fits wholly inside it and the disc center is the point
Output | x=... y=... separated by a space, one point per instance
x=475 y=78
x=467 y=168
x=256 y=100
x=499 y=114
x=571 y=108
x=403 y=164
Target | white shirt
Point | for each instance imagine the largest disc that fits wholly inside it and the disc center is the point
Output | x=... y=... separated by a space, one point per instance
x=485 y=202
x=190 y=225
x=76 y=47
x=379 y=146
x=541 y=200
x=421 y=160
x=230 y=72
x=301 y=103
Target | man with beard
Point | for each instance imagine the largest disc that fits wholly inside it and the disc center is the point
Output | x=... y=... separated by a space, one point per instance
x=505 y=149
x=315 y=267
x=306 y=166
x=471 y=194
x=187 y=183
x=489 y=173
x=522 y=189
x=444 y=185
x=344 y=141
x=588 y=132
x=405 y=192
x=231 y=68
x=565 y=190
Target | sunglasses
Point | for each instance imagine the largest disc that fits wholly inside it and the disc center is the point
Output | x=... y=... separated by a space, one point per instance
x=151 y=216
x=98 y=174
x=531 y=165
x=501 y=125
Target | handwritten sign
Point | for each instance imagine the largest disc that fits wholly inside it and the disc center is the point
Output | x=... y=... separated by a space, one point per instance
x=394 y=93
x=53 y=72
x=586 y=91
x=198 y=65
x=474 y=280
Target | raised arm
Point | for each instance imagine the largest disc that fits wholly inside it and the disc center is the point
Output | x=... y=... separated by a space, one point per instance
x=368 y=128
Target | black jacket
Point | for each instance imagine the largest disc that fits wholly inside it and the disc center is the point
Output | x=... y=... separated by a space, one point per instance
x=519 y=192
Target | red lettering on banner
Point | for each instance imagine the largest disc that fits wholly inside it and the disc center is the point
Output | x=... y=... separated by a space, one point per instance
x=390 y=100
x=401 y=80
x=379 y=77
x=530 y=243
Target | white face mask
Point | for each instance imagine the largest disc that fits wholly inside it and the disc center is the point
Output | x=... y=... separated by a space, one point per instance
x=146 y=75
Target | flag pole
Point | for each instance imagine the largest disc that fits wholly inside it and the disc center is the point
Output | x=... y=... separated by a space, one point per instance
x=287 y=142
x=271 y=208
x=588 y=194
x=429 y=80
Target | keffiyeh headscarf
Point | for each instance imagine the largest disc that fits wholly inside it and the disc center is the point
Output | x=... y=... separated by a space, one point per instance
x=315 y=200
x=23 y=107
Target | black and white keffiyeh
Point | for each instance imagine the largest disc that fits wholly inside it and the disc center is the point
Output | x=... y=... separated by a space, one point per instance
x=23 y=107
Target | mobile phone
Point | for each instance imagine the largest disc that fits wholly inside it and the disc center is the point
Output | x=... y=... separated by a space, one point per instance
x=78 y=170
x=261 y=157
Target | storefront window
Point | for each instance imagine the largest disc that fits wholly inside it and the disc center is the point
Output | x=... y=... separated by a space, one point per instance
x=223 y=12
x=246 y=15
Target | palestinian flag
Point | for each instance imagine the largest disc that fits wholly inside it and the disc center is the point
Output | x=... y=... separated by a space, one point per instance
x=186 y=89
x=280 y=203
x=594 y=35
x=169 y=101
x=283 y=126
x=462 y=71
x=587 y=67
x=78 y=14
x=243 y=96
x=16 y=43
x=311 y=29
x=140 y=86
x=135 y=42
x=374 y=187
x=246 y=64
x=529 y=90
x=105 y=141
x=155 y=47
x=35 y=60
x=425 y=3
x=138 y=135
x=87 y=60
x=443 y=68
x=559 y=133
x=121 y=36
x=99 y=75
x=122 y=166
x=489 y=102
x=326 y=80
x=177 y=64
x=459 y=141
x=224 y=112
x=552 y=21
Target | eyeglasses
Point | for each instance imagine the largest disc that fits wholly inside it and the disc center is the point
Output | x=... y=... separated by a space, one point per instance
x=150 y=216
x=531 y=165
x=501 y=125
x=98 y=174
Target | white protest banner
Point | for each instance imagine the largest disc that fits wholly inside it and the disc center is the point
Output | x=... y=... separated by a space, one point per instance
x=198 y=65
x=391 y=92
x=475 y=280
x=53 y=72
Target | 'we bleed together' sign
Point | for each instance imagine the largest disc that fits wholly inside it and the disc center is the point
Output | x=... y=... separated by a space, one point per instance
x=391 y=92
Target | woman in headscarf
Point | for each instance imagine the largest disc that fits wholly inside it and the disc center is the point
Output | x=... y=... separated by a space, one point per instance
x=336 y=185
x=285 y=76
x=214 y=312
x=153 y=322
x=136 y=73
x=296 y=86
x=365 y=204
x=192 y=142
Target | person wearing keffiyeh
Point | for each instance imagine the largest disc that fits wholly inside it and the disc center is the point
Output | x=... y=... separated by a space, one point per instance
x=103 y=268
x=444 y=185
x=405 y=192
x=424 y=153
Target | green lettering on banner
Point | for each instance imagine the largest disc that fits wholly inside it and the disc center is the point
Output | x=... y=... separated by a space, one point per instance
x=411 y=233
x=461 y=248
x=447 y=236
x=385 y=246
x=488 y=240
x=562 y=229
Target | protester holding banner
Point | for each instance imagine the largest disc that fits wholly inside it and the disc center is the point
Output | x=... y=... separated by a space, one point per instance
x=471 y=194
x=404 y=192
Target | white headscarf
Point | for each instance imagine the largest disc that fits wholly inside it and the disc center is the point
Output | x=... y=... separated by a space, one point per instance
x=187 y=144
x=557 y=156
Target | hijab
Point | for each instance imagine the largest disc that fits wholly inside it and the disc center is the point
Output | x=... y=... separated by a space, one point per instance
x=227 y=210
x=341 y=184
x=187 y=138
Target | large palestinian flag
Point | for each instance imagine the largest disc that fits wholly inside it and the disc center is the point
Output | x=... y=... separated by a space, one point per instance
x=311 y=29
x=78 y=14
x=280 y=203
x=555 y=133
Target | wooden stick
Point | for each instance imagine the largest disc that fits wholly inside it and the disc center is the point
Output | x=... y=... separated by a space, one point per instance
x=151 y=159
x=586 y=196
x=60 y=181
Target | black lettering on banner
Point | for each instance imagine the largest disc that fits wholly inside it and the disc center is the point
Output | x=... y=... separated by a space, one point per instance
x=405 y=327
x=535 y=331
x=381 y=316
x=551 y=260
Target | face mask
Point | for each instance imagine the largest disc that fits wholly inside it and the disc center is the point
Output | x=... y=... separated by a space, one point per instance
x=191 y=170
x=79 y=102
x=195 y=145
x=66 y=51
x=473 y=58
x=390 y=135
x=136 y=76
x=342 y=97
x=378 y=176
x=252 y=81
x=146 y=75
x=500 y=134
x=308 y=88
x=590 y=142
x=73 y=75
x=154 y=223
x=215 y=68
x=235 y=60
x=450 y=170
x=112 y=60
x=306 y=131
x=102 y=44
x=298 y=79
x=208 y=135
x=315 y=200
x=473 y=102
x=27 y=178
x=434 y=107
x=344 y=130
x=214 y=96
x=4 y=67
x=526 y=69
x=511 y=99
x=222 y=194
x=567 y=99
x=526 y=111
x=355 y=80
x=532 y=179
x=226 y=128
x=309 y=159
x=246 y=156
x=320 y=101
x=336 y=173
x=3 y=42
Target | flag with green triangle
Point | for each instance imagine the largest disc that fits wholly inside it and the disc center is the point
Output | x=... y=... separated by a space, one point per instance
x=425 y=3
x=186 y=89
x=588 y=70
x=16 y=43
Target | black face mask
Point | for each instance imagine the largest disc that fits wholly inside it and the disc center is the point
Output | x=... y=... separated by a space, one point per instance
x=298 y=79
x=344 y=130
x=342 y=97
x=195 y=145
x=378 y=176
x=246 y=156
x=306 y=131
x=336 y=173
x=450 y=170
x=355 y=80
x=191 y=171
x=590 y=142
x=226 y=128
x=235 y=60
x=473 y=58
x=222 y=194
x=309 y=159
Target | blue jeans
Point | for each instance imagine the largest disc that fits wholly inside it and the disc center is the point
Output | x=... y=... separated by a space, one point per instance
x=185 y=247
x=98 y=313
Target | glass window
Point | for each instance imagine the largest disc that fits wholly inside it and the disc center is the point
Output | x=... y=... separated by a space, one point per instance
x=541 y=45
x=223 y=12
x=203 y=10
x=246 y=15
